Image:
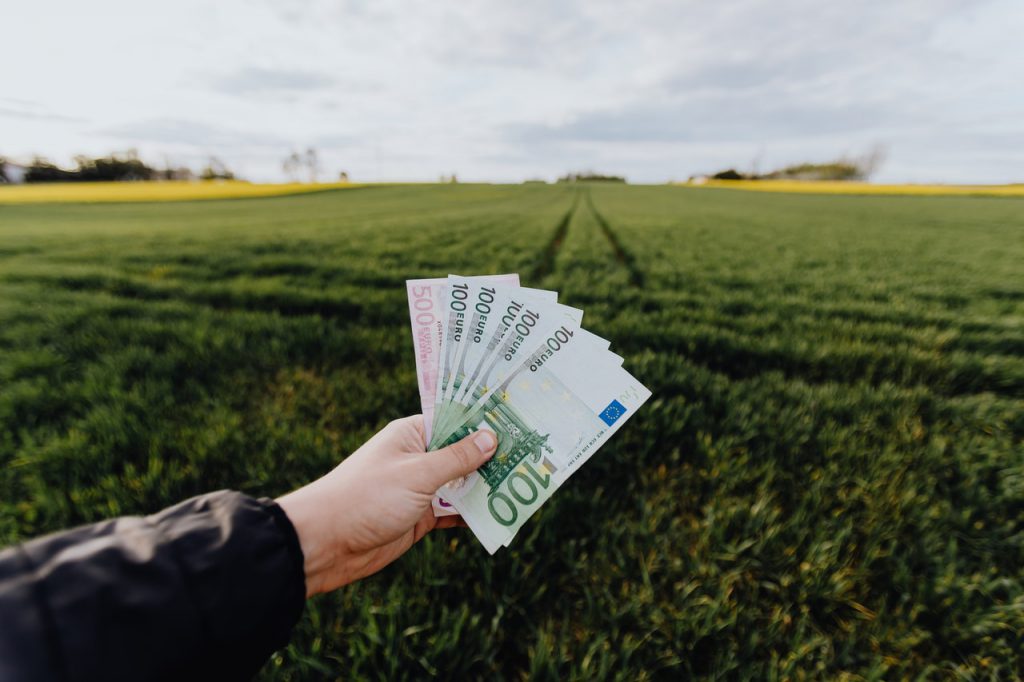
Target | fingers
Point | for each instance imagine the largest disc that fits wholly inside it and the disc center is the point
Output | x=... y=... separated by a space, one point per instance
x=459 y=459
x=411 y=422
x=407 y=431
x=450 y=522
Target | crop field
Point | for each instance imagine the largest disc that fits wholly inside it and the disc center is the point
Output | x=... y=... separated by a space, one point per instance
x=827 y=483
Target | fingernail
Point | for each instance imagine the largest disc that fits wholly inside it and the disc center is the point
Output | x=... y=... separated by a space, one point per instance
x=484 y=441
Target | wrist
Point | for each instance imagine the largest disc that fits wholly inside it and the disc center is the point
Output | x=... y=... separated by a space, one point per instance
x=318 y=551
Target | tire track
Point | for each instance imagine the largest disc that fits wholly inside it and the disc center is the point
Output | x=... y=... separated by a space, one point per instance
x=546 y=264
x=622 y=254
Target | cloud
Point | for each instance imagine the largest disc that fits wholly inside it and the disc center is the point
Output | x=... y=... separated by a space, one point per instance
x=193 y=133
x=18 y=102
x=250 y=80
x=29 y=111
x=337 y=140
x=726 y=117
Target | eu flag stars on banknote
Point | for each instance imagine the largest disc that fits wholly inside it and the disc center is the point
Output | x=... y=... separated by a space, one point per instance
x=493 y=355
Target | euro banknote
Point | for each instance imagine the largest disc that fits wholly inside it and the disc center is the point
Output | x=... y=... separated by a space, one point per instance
x=523 y=322
x=473 y=306
x=426 y=317
x=493 y=355
x=550 y=416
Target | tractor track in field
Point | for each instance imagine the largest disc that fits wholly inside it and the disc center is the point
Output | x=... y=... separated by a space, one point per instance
x=622 y=254
x=546 y=265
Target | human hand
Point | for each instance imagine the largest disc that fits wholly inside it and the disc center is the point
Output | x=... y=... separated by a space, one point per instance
x=376 y=504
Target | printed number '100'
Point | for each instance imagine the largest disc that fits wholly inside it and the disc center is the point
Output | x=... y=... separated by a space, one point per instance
x=521 y=487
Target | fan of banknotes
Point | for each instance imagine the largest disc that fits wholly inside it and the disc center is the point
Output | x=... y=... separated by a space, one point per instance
x=491 y=354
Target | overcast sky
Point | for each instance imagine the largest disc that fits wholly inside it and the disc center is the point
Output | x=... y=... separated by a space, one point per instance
x=508 y=90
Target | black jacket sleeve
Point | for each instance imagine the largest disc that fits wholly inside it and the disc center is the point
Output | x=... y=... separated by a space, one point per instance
x=206 y=589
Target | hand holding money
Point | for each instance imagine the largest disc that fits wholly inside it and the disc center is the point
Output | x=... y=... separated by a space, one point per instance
x=494 y=356
x=385 y=486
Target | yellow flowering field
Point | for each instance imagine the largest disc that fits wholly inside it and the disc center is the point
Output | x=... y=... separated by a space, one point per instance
x=108 y=192
x=825 y=187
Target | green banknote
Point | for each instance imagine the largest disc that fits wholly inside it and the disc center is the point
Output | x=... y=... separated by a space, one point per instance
x=465 y=298
x=522 y=327
x=489 y=304
x=550 y=415
x=486 y=332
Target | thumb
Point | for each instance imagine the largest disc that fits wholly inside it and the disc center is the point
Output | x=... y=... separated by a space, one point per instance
x=462 y=458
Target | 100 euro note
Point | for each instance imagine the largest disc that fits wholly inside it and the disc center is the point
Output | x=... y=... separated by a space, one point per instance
x=489 y=323
x=469 y=303
x=526 y=320
x=550 y=416
x=596 y=344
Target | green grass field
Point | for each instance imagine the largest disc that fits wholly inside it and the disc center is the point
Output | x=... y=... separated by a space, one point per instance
x=827 y=483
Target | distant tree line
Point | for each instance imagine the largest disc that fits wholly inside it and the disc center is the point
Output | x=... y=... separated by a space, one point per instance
x=589 y=176
x=837 y=170
x=842 y=169
x=117 y=167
